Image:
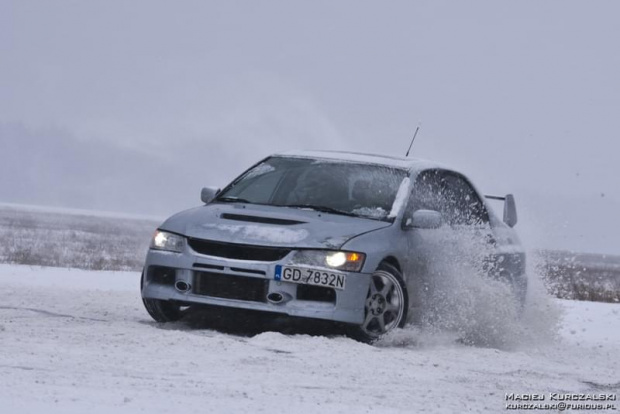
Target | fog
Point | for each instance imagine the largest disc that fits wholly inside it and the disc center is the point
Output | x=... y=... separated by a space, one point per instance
x=133 y=106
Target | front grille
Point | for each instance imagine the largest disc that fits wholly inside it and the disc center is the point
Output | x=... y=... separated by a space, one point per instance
x=208 y=266
x=316 y=293
x=238 y=251
x=231 y=287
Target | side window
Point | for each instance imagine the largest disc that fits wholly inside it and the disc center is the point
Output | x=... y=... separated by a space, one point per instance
x=463 y=206
x=428 y=192
x=451 y=195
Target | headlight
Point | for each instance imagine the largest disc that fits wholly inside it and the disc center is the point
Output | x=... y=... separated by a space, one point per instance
x=162 y=240
x=347 y=261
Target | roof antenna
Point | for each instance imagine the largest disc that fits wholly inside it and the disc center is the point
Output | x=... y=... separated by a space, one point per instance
x=412 y=139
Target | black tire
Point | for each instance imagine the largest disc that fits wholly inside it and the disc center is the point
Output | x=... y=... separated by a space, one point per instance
x=387 y=305
x=161 y=310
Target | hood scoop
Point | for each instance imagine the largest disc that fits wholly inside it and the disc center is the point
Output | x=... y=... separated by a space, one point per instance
x=259 y=219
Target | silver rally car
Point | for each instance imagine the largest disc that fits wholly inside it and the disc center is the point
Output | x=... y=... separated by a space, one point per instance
x=327 y=235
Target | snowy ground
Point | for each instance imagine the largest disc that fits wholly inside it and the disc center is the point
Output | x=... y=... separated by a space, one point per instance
x=75 y=341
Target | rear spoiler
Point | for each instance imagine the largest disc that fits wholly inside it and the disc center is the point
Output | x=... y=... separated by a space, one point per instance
x=510 y=208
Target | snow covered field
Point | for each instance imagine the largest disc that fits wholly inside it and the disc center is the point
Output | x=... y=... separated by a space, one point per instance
x=82 y=239
x=76 y=341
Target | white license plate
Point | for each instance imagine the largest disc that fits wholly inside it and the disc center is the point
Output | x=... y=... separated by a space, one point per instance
x=306 y=276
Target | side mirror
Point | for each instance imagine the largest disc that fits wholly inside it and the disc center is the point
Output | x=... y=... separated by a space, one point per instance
x=510 y=210
x=425 y=219
x=208 y=194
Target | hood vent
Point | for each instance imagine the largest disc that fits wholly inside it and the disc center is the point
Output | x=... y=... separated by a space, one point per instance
x=258 y=219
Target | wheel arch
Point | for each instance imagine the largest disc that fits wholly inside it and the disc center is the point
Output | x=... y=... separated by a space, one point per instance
x=392 y=261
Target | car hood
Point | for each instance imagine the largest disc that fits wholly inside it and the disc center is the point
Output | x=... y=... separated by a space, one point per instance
x=269 y=225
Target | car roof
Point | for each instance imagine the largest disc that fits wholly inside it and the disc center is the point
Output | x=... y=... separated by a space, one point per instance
x=409 y=163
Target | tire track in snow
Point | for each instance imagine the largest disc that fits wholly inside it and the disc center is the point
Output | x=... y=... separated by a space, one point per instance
x=52 y=314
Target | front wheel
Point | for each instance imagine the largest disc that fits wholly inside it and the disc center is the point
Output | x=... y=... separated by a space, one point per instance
x=386 y=304
x=161 y=310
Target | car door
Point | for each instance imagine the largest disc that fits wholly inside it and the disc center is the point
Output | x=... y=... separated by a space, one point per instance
x=465 y=226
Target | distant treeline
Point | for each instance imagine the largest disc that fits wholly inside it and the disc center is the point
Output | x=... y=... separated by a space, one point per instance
x=581 y=276
x=95 y=242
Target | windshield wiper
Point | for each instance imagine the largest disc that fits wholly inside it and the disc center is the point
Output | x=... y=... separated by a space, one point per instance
x=233 y=200
x=323 y=209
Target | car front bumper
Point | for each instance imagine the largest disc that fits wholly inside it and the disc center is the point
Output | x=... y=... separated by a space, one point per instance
x=245 y=284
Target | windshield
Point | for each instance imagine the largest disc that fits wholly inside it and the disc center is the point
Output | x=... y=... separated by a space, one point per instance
x=349 y=188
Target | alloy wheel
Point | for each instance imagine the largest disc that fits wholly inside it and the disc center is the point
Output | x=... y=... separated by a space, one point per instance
x=385 y=304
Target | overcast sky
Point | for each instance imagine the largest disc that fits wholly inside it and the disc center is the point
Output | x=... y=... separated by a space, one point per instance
x=522 y=96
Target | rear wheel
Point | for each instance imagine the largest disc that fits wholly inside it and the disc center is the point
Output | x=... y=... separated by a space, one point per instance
x=386 y=304
x=161 y=310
